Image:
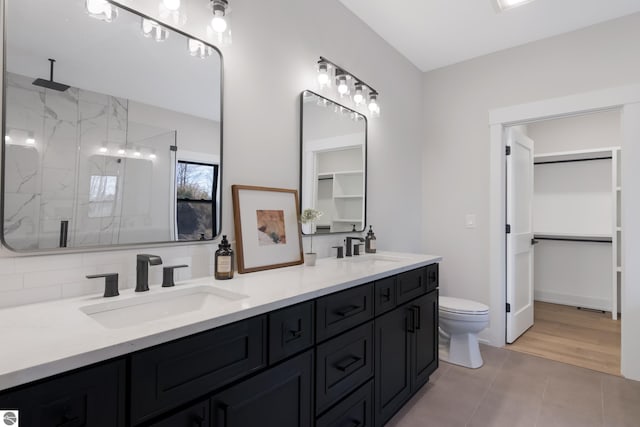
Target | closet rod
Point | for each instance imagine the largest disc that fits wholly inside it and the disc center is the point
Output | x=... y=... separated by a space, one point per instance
x=572 y=160
x=573 y=239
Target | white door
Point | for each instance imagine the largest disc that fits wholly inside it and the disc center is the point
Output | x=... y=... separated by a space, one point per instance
x=519 y=239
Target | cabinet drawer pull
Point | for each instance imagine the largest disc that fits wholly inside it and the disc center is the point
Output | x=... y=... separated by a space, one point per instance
x=295 y=334
x=347 y=311
x=387 y=294
x=432 y=276
x=198 y=420
x=355 y=423
x=347 y=362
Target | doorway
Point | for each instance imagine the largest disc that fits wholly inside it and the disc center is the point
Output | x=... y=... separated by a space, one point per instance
x=563 y=194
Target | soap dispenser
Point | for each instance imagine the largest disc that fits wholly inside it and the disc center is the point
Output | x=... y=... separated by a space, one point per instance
x=370 y=242
x=224 y=260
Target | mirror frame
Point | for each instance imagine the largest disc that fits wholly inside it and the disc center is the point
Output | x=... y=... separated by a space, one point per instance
x=96 y=248
x=366 y=160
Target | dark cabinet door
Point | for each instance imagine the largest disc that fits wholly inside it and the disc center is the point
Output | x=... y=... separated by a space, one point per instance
x=169 y=375
x=92 y=397
x=281 y=396
x=393 y=362
x=290 y=331
x=194 y=416
x=432 y=276
x=354 y=411
x=343 y=364
x=411 y=284
x=425 y=343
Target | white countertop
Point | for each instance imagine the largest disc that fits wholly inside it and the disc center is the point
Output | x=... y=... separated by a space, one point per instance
x=40 y=340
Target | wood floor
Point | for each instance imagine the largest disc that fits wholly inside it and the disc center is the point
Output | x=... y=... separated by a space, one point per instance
x=577 y=337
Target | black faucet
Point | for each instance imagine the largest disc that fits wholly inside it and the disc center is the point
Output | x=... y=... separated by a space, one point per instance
x=349 y=246
x=142 y=270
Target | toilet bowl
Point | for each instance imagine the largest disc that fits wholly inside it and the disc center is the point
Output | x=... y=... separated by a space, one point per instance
x=460 y=322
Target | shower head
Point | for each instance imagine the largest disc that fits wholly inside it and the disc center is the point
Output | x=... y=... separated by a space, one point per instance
x=50 y=84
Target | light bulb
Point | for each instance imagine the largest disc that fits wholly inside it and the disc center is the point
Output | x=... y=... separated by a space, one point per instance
x=343 y=88
x=218 y=23
x=374 y=108
x=358 y=96
x=137 y=153
x=171 y=4
x=30 y=140
x=152 y=156
x=323 y=74
x=103 y=149
x=7 y=138
x=102 y=10
x=121 y=151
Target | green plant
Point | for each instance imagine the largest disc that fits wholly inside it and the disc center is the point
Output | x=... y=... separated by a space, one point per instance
x=310 y=216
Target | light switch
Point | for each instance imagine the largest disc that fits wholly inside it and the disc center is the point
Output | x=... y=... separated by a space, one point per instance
x=470 y=221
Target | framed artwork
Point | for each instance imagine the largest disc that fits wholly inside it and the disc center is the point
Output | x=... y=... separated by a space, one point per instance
x=267 y=228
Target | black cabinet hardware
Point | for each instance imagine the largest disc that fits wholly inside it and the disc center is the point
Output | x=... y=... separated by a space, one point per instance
x=347 y=362
x=348 y=311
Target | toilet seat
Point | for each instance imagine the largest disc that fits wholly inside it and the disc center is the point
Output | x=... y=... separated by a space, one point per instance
x=462 y=306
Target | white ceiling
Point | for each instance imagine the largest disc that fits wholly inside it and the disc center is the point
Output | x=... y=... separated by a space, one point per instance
x=436 y=33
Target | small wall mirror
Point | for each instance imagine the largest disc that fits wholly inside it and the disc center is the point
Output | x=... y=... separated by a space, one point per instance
x=333 y=166
x=112 y=129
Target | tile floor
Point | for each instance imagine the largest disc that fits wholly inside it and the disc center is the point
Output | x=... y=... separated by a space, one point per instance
x=517 y=390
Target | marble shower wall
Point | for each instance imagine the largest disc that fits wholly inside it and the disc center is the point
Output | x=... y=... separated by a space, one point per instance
x=51 y=138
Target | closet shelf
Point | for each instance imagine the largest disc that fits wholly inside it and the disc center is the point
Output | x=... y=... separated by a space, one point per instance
x=569 y=237
x=570 y=156
x=348 y=196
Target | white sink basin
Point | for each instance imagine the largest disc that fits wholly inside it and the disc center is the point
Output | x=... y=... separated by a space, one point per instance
x=374 y=259
x=159 y=305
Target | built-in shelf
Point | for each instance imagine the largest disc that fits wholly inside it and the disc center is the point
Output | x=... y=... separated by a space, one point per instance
x=606 y=238
x=349 y=196
x=571 y=156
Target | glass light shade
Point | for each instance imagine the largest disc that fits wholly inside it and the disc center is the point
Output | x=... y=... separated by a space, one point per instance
x=219 y=23
x=102 y=149
x=343 y=87
x=122 y=151
x=374 y=108
x=358 y=96
x=30 y=140
x=171 y=4
x=323 y=75
x=102 y=10
x=199 y=49
x=152 y=29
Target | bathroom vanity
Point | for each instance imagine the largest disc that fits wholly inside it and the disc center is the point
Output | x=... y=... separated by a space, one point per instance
x=347 y=342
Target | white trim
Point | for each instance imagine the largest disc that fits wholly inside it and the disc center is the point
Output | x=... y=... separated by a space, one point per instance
x=573 y=300
x=557 y=107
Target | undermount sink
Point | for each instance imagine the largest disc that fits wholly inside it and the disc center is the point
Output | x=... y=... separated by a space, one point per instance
x=160 y=305
x=374 y=259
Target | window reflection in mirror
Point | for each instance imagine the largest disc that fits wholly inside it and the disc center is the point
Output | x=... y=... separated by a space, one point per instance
x=196 y=186
x=333 y=165
x=99 y=151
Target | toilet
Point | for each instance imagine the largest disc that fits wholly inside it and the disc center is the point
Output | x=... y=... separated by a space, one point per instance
x=460 y=322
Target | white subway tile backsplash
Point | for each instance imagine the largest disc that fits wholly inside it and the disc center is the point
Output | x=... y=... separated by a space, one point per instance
x=10 y=282
x=57 y=277
x=47 y=263
x=29 y=296
x=94 y=286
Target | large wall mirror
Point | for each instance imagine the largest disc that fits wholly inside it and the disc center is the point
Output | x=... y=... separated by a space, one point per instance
x=116 y=142
x=333 y=164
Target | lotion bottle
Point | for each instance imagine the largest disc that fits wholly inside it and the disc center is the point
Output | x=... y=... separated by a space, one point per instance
x=370 y=242
x=224 y=260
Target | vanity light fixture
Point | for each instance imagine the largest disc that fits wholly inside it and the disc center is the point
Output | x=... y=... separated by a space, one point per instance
x=103 y=149
x=30 y=140
x=510 y=4
x=122 y=151
x=152 y=156
x=346 y=83
x=199 y=49
x=137 y=153
x=220 y=26
x=151 y=29
x=101 y=10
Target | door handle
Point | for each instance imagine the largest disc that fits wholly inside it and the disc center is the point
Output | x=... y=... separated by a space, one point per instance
x=412 y=328
x=534 y=242
x=347 y=362
x=347 y=311
x=416 y=310
x=221 y=413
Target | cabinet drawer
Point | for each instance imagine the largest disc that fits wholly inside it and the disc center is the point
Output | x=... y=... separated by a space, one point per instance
x=290 y=331
x=194 y=416
x=172 y=374
x=92 y=397
x=433 y=277
x=343 y=364
x=385 y=295
x=280 y=397
x=411 y=284
x=355 y=410
x=343 y=310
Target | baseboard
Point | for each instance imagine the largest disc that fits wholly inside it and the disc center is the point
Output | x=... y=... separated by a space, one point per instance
x=573 y=300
